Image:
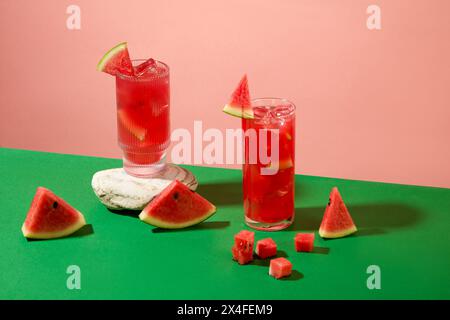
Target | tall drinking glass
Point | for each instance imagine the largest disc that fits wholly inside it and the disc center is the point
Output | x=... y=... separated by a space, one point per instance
x=143 y=122
x=268 y=171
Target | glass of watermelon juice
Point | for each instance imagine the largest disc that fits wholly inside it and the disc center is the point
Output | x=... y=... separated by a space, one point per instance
x=269 y=198
x=143 y=122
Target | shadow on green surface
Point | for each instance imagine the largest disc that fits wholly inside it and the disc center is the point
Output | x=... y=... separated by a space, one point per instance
x=266 y=262
x=371 y=219
x=84 y=231
x=302 y=189
x=207 y=225
x=321 y=250
x=222 y=193
x=127 y=213
x=362 y=232
x=295 y=275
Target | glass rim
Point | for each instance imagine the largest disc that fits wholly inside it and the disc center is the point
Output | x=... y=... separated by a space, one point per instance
x=133 y=61
x=273 y=102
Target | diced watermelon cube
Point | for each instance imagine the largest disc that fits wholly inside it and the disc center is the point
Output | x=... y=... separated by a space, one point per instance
x=243 y=246
x=242 y=256
x=304 y=242
x=266 y=248
x=244 y=240
x=280 y=267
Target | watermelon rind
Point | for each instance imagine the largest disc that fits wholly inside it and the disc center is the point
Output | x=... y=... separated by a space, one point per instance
x=240 y=105
x=167 y=225
x=110 y=54
x=236 y=111
x=340 y=234
x=55 y=234
x=271 y=273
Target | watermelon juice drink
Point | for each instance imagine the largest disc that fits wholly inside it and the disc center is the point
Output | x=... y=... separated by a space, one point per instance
x=143 y=122
x=269 y=198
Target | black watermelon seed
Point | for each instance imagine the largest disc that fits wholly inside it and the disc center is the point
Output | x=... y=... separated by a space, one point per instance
x=176 y=195
x=55 y=205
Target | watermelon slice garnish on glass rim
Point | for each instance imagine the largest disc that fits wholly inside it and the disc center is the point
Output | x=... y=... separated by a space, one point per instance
x=240 y=104
x=117 y=60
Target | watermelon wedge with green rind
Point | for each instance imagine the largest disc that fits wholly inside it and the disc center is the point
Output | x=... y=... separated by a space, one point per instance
x=50 y=217
x=337 y=221
x=177 y=207
x=240 y=103
x=117 y=60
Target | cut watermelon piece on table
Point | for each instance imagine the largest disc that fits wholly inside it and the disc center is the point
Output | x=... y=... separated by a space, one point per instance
x=242 y=256
x=243 y=246
x=244 y=240
x=51 y=217
x=240 y=104
x=304 y=242
x=266 y=248
x=280 y=268
x=117 y=60
x=177 y=207
x=126 y=119
x=337 y=221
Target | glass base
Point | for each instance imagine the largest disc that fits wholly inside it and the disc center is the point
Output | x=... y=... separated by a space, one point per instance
x=143 y=170
x=264 y=226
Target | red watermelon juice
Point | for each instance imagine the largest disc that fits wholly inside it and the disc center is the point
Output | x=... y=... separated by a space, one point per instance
x=143 y=102
x=269 y=198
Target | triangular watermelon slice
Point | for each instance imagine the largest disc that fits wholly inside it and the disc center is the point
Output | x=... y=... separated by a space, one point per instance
x=336 y=222
x=51 y=217
x=240 y=105
x=117 y=60
x=176 y=207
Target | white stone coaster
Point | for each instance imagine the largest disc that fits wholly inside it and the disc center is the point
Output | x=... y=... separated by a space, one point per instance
x=119 y=191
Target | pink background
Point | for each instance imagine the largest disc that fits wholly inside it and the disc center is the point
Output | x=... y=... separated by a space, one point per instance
x=372 y=105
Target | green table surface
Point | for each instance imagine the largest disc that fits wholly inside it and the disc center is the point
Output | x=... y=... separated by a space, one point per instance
x=402 y=229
